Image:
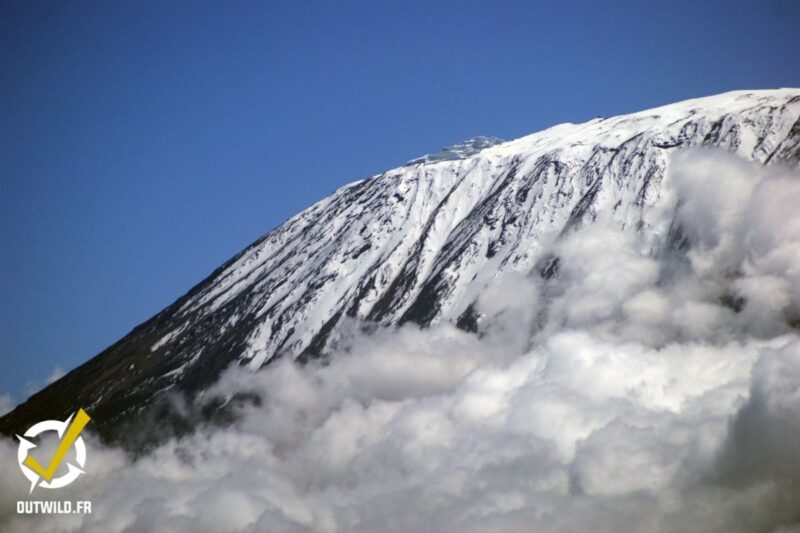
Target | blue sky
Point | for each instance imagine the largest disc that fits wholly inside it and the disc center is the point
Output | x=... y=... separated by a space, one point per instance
x=144 y=143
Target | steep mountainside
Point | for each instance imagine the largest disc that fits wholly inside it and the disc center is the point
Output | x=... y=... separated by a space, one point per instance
x=416 y=243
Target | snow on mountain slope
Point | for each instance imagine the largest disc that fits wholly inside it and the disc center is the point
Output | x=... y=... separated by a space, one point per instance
x=417 y=243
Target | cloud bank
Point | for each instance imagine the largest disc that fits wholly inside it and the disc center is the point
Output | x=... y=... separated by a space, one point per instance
x=653 y=384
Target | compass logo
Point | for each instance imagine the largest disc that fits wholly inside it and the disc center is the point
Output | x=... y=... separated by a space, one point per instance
x=69 y=435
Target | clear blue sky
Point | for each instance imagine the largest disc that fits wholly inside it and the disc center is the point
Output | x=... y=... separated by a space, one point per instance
x=144 y=143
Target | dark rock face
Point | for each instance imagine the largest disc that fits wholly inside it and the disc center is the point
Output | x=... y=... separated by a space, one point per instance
x=414 y=244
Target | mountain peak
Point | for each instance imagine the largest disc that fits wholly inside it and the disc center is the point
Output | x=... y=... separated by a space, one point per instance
x=415 y=244
x=460 y=150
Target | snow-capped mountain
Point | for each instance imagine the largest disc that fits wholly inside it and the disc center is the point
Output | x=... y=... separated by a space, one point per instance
x=414 y=244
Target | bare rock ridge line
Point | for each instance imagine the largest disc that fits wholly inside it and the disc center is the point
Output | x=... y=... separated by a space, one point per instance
x=413 y=244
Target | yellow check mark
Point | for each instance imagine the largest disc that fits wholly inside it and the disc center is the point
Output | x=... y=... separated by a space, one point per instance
x=74 y=429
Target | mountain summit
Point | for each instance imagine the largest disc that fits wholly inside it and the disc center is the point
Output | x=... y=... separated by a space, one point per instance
x=414 y=244
x=458 y=151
